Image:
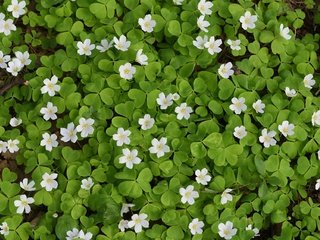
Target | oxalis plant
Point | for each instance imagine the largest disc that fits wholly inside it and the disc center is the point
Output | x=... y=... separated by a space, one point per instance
x=159 y=119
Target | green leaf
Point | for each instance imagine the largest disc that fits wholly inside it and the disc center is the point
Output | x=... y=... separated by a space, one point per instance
x=64 y=224
x=99 y=10
x=131 y=4
x=214 y=140
x=138 y=97
x=174 y=28
x=236 y=11
x=226 y=89
x=266 y=36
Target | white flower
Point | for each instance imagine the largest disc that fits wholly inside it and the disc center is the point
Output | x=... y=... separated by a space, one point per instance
x=188 y=195
x=6 y=26
x=315 y=118
x=26 y=185
x=248 y=20
x=84 y=48
x=164 y=101
x=105 y=45
x=318 y=155
x=202 y=24
x=286 y=128
x=205 y=7
x=226 y=196
x=122 y=137
x=141 y=58
x=290 y=92
x=123 y=225
x=50 y=86
x=259 y=106
x=138 y=222
x=87 y=184
x=196 y=226
x=238 y=105
x=225 y=70
x=284 y=32
x=4 y=229
x=202 y=176
x=85 y=127
x=23 y=57
x=147 y=24
x=183 y=111
x=226 y=230
x=234 y=44
x=200 y=42
x=121 y=44
x=23 y=204
x=4 y=59
x=125 y=208
x=48 y=181
x=240 y=132
x=72 y=234
x=127 y=71
x=14 y=67
x=317 y=186
x=267 y=138
x=255 y=230
x=49 y=141
x=129 y=157
x=69 y=133
x=85 y=236
x=3 y=146
x=213 y=45
x=17 y=8
x=14 y=122
x=159 y=147
x=177 y=2
x=308 y=81
x=175 y=97
x=146 y=122
x=49 y=112
x=13 y=145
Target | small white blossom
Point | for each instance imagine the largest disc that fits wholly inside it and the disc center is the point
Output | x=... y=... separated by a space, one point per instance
x=203 y=24
x=177 y=2
x=308 y=81
x=183 y=111
x=48 y=181
x=123 y=225
x=164 y=101
x=49 y=112
x=122 y=137
x=258 y=106
x=14 y=122
x=105 y=45
x=255 y=230
x=4 y=229
x=267 y=138
x=317 y=186
x=159 y=147
x=12 y=145
x=225 y=70
x=315 y=118
x=200 y=42
x=24 y=57
x=85 y=236
x=72 y=234
x=196 y=226
x=240 y=132
x=188 y=195
x=6 y=26
x=146 y=122
x=138 y=222
x=284 y=32
x=205 y=7
x=23 y=204
x=26 y=185
x=85 y=127
x=87 y=183
x=286 y=128
x=127 y=71
x=129 y=157
x=213 y=45
x=202 y=176
x=85 y=48
x=121 y=44
x=318 y=153
x=234 y=44
x=141 y=58
x=238 y=105
x=17 y=8
x=175 y=97
x=14 y=67
x=69 y=133
x=3 y=146
x=126 y=208
x=4 y=59
x=290 y=92
x=248 y=20
x=147 y=24
x=226 y=230
x=50 y=86
x=226 y=196
x=49 y=141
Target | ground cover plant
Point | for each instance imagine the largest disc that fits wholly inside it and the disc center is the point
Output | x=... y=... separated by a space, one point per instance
x=159 y=119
